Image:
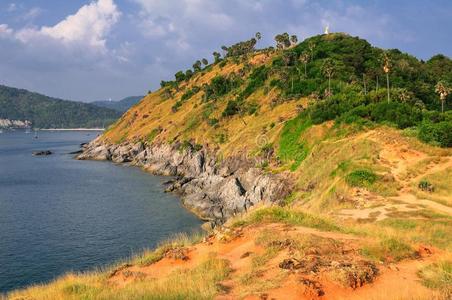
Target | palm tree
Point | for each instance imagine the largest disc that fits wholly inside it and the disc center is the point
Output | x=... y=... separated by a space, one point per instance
x=443 y=89
x=304 y=58
x=258 y=36
x=205 y=62
x=293 y=39
x=216 y=56
x=387 y=68
x=311 y=47
x=328 y=70
x=225 y=50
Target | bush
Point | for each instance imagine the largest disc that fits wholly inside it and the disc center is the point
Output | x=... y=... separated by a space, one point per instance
x=219 y=86
x=426 y=186
x=440 y=133
x=231 y=109
x=361 y=178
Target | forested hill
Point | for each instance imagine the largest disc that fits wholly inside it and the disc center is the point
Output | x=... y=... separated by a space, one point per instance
x=332 y=77
x=121 y=105
x=48 y=112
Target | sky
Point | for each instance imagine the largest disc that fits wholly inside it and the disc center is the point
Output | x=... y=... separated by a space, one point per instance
x=102 y=49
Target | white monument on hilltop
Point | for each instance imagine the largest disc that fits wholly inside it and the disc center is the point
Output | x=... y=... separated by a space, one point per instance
x=327 y=29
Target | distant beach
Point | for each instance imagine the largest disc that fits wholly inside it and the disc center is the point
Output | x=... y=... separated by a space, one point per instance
x=73 y=129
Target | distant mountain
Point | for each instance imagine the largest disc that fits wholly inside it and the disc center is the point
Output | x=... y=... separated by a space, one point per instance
x=47 y=112
x=121 y=105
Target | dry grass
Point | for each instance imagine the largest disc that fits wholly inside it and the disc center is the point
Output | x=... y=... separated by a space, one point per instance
x=200 y=282
x=438 y=276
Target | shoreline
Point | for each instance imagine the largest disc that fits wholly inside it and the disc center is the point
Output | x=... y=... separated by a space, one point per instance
x=72 y=129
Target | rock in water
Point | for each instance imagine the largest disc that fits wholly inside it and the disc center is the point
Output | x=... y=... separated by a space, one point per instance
x=42 y=153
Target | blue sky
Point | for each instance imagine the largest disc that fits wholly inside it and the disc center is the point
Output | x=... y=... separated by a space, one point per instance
x=100 y=49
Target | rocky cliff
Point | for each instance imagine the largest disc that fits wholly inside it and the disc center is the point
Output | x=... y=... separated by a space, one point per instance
x=214 y=190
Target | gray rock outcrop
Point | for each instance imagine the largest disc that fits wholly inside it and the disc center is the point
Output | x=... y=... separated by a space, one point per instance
x=212 y=190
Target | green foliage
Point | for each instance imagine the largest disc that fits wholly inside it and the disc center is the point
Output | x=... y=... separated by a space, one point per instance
x=361 y=178
x=219 y=86
x=47 y=112
x=436 y=133
x=291 y=148
x=241 y=48
x=190 y=93
x=232 y=108
x=256 y=80
x=426 y=186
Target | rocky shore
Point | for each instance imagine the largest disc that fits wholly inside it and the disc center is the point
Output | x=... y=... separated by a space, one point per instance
x=213 y=190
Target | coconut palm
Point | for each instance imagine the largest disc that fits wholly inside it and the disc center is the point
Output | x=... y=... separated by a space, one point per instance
x=328 y=70
x=443 y=89
x=293 y=39
x=387 y=68
x=258 y=36
x=304 y=58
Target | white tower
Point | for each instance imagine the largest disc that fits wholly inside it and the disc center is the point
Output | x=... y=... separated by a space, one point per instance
x=327 y=29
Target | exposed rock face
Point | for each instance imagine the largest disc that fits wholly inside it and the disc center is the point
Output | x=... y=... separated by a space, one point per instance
x=214 y=191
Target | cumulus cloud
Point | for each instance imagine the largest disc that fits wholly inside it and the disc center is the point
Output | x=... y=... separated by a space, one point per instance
x=86 y=28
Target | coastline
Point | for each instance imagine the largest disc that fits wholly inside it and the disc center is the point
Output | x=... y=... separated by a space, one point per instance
x=214 y=191
x=72 y=129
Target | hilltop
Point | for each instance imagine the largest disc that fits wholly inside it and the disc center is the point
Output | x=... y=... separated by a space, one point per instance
x=47 y=112
x=121 y=106
x=316 y=182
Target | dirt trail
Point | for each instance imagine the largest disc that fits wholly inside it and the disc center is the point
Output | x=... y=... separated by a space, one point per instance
x=400 y=159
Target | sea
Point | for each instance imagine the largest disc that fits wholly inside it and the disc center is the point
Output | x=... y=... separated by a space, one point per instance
x=60 y=215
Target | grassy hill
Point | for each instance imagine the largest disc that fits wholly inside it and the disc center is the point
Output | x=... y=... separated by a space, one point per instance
x=48 y=112
x=121 y=105
x=371 y=198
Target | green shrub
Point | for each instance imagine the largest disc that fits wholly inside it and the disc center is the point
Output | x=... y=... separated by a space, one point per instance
x=361 y=178
x=231 y=109
x=440 y=133
x=426 y=186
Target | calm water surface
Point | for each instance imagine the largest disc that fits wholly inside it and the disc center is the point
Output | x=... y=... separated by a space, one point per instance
x=58 y=214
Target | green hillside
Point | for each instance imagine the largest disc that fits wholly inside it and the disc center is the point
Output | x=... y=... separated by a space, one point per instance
x=48 y=112
x=327 y=77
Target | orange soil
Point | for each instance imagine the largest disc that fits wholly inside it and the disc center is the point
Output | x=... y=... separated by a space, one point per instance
x=239 y=247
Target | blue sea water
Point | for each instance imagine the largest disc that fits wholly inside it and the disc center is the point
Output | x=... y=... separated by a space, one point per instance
x=58 y=214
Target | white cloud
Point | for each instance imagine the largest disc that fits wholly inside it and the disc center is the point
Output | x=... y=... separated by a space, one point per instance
x=87 y=28
x=5 y=31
